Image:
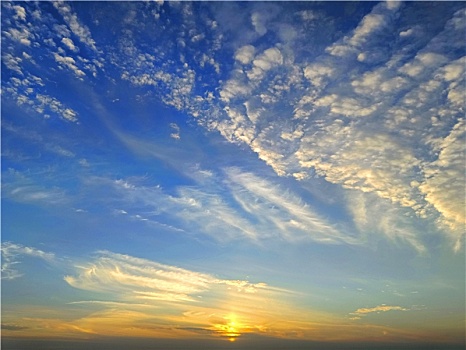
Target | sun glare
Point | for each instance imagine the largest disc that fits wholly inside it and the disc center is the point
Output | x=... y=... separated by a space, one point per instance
x=230 y=329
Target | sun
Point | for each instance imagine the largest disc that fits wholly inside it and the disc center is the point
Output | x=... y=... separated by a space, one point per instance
x=230 y=329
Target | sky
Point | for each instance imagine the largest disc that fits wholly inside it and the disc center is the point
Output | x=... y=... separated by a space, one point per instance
x=233 y=174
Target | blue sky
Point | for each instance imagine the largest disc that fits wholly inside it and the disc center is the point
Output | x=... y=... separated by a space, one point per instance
x=205 y=170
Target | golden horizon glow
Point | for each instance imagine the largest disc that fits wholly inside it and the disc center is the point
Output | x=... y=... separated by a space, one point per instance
x=231 y=328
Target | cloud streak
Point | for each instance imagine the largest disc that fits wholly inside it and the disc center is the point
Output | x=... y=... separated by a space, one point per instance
x=362 y=312
x=127 y=277
x=12 y=254
x=241 y=206
x=187 y=297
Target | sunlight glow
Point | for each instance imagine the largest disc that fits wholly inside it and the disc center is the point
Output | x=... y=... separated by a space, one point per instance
x=230 y=329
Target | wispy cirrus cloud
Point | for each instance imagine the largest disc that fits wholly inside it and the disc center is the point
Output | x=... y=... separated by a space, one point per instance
x=137 y=287
x=444 y=185
x=373 y=215
x=242 y=204
x=130 y=278
x=279 y=211
x=12 y=254
x=19 y=187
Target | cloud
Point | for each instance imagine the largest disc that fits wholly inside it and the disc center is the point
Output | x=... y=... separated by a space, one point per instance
x=369 y=127
x=27 y=91
x=444 y=183
x=20 y=12
x=78 y=29
x=140 y=284
x=12 y=62
x=281 y=212
x=367 y=32
x=361 y=115
x=177 y=87
x=69 y=44
x=244 y=205
x=378 y=309
x=235 y=87
x=269 y=59
x=133 y=278
x=21 y=35
x=176 y=134
x=19 y=187
x=147 y=297
x=110 y=303
x=371 y=215
x=55 y=106
x=318 y=73
x=70 y=63
x=260 y=18
x=12 y=327
x=12 y=254
x=245 y=54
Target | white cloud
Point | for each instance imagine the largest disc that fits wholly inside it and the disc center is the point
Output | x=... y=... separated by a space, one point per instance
x=368 y=163
x=268 y=59
x=370 y=23
x=422 y=62
x=205 y=212
x=209 y=212
x=12 y=62
x=176 y=134
x=280 y=212
x=392 y=5
x=132 y=279
x=12 y=254
x=245 y=54
x=69 y=43
x=444 y=185
x=20 y=12
x=455 y=70
x=373 y=23
x=407 y=32
x=55 y=106
x=364 y=127
x=235 y=87
x=242 y=206
x=371 y=126
x=258 y=22
x=262 y=15
x=177 y=86
x=78 y=29
x=317 y=73
x=341 y=50
x=60 y=150
x=70 y=63
x=22 y=36
x=17 y=186
x=371 y=215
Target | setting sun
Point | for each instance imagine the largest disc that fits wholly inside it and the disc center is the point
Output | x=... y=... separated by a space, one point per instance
x=230 y=329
